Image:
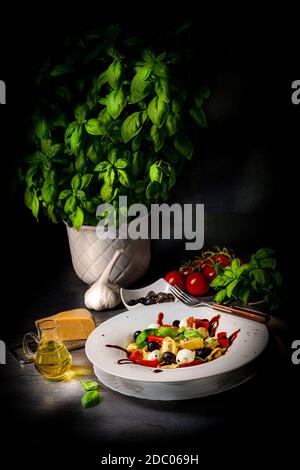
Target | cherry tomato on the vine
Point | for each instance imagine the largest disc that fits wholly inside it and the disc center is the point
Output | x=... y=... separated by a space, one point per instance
x=209 y=271
x=175 y=278
x=196 y=284
x=222 y=259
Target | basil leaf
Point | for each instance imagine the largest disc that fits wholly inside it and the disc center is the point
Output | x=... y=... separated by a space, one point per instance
x=70 y=205
x=64 y=194
x=60 y=69
x=183 y=145
x=177 y=104
x=89 y=385
x=167 y=331
x=114 y=73
x=102 y=166
x=75 y=138
x=109 y=177
x=94 y=152
x=140 y=87
x=189 y=334
x=104 y=117
x=244 y=294
x=162 y=89
x=137 y=165
x=220 y=296
x=121 y=163
x=156 y=173
x=260 y=276
x=141 y=340
x=199 y=117
x=164 y=191
x=162 y=70
x=80 y=195
x=48 y=192
x=136 y=142
x=80 y=112
x=106 y=193
x=112 y=156
x=77 y=218
x=173 y=123
x=149 y=56
x=64 y=93
x=140 y=187
x=116 y=102
x=157 y=111
x=90 y=399
x=242 y=269
x=94 y=127
x=80 y=161
x=200 y=95
x=230 y=288
x=235 y=264
x=263 y=253
x=267 y=263
x=220 y=281
x=28 y=197
x=41 y=128
x=51 y=214
x=54 y=150
x=35 y=205
x=46 y=146
x=34 y=160
x=153 y=190
x=131 y=126
x=85 y=180
x=158 y=137
x=124 y=179
x=76 y=182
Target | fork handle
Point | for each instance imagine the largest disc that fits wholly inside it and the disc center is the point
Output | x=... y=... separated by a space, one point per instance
x=255 y=316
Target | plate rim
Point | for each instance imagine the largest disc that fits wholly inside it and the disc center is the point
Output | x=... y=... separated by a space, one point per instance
x=146 y=374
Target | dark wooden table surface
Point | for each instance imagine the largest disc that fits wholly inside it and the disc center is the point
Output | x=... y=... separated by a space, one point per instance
x=37 y=413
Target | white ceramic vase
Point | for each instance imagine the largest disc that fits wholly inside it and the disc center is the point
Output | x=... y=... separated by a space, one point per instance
x=90 y=255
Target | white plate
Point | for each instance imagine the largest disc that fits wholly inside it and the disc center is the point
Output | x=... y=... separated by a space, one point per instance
x=128 y=294
x=178 y=390
x=212 y=377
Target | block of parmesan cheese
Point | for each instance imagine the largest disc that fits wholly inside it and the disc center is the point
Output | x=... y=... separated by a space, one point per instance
x=76 y=324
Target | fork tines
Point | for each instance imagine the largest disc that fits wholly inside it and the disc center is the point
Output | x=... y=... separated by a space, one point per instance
x=185 y=298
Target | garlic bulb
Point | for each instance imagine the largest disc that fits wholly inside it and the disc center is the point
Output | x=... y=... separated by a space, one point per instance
x=103 y=293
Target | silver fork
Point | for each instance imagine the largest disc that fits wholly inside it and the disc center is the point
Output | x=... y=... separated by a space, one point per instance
x=191 y=301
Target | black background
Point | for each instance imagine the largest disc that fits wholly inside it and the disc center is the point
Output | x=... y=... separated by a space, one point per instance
x=245 y=167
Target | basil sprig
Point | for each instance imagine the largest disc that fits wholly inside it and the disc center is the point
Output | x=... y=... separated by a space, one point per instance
x=256 y=280
x=92 y=396
x=113 y=118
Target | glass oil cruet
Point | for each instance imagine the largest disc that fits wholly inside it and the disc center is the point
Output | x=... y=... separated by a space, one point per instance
x=51 y=358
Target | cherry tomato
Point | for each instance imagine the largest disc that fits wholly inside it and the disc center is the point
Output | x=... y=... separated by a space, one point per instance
x=209 y=271
x=176 y=278
x=222 y=259
x=196 y=284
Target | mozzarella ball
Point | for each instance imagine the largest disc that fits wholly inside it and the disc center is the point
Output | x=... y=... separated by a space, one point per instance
x=156 y=354
x=184 y=356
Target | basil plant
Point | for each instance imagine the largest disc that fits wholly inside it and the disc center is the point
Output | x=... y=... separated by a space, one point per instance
x=112 y=119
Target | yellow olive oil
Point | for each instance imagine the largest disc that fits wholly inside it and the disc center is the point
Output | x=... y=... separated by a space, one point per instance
x=53 y=360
